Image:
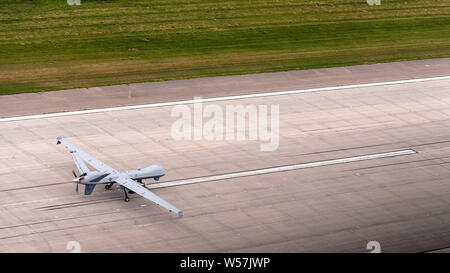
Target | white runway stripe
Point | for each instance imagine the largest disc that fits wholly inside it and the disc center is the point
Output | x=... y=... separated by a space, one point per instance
x=279 y=93
x=278 y=169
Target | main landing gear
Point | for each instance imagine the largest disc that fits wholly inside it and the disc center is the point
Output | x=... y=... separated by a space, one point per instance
x=126 y=196
x=127 y=199
x=125 y=190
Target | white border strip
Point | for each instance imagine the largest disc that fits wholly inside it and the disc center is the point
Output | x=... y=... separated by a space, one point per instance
x=278 y=169
x=279 y=93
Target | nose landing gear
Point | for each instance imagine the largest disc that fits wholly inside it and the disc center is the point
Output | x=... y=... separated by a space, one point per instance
x=142 y=183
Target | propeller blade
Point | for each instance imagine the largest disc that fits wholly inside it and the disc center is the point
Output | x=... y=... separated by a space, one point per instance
x=76 y=189
x=74 y=174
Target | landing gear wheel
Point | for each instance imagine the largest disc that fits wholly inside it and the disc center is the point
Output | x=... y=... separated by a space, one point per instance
x=126 y=195
x=107 y=187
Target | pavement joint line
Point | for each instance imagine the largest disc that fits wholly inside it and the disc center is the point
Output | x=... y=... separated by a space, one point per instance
x=439 y=250
x=279 y=169
x=257 y=95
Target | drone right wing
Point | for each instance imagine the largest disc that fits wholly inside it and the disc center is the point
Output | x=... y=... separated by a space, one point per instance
x=144 y=192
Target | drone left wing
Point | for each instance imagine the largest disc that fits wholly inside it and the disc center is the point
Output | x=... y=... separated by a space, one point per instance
x=144 y=192
x=78 y=154
x=81 y=166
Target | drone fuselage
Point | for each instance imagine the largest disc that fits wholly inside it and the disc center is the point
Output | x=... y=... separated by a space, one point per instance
x=96 y=177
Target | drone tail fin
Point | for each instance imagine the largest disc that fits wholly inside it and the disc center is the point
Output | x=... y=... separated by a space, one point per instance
x=89 y=188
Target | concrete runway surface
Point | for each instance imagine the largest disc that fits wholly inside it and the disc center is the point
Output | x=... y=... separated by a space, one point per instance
x=331 y=202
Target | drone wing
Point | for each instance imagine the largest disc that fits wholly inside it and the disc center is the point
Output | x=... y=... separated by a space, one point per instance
x=144 y=192
x=80 y=155
x=81 y=166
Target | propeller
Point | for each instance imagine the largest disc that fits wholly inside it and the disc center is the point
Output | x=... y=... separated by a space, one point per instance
x=77 y=179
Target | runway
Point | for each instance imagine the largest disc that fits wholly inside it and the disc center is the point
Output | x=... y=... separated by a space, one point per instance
x=364 y=163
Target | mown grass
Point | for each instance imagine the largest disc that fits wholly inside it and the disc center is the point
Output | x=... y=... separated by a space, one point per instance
x=49 y=45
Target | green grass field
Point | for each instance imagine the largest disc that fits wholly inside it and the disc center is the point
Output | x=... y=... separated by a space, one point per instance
x=49 y=45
